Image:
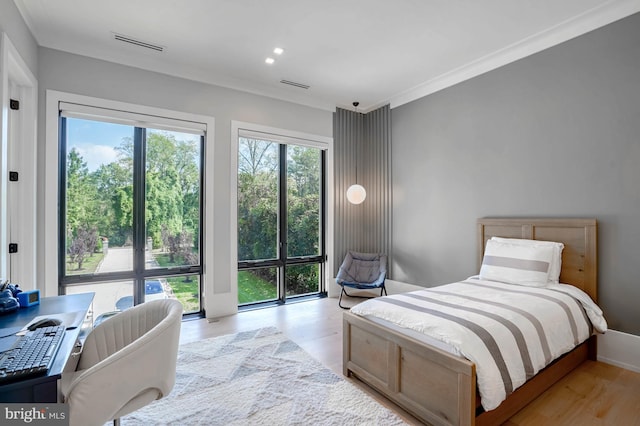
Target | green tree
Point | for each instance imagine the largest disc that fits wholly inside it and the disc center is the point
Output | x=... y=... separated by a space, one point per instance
x=82 y=212
x=80 y=192
x=114 y=183
x=82 y=244
x=303 y=201
x=257 y=200
x=103 y=200
x=187 y=157
x=172 y=186
x=163 y=204
x=303 y=227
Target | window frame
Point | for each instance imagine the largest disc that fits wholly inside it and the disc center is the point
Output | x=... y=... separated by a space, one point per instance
x=139 y=273
x=50 y=258
x=284 y=137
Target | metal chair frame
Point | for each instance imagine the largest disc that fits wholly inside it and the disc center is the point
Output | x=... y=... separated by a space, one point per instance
x=382 y=289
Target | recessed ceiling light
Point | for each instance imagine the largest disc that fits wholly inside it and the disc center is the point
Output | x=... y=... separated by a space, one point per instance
x=278 y=50
x=269 y=61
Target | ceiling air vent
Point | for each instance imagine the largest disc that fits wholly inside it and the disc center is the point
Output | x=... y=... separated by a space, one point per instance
x=140 y=43
x=293 y=83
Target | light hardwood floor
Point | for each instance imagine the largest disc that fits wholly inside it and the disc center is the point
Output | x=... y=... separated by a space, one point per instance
x=594 y=394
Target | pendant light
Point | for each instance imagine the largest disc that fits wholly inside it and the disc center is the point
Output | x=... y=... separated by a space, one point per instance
x=356 y=193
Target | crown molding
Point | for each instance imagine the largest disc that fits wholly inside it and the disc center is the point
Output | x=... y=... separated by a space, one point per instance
x=590 y=20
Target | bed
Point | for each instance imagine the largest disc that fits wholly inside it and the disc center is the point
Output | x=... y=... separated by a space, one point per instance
x=440 y=388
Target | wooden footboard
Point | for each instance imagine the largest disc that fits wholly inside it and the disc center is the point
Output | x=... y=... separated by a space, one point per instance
x=437 y=387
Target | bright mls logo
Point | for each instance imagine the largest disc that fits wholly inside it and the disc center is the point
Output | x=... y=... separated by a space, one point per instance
x=35 y=414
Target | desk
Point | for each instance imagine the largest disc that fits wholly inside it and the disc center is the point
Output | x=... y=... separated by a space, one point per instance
x=45 y=388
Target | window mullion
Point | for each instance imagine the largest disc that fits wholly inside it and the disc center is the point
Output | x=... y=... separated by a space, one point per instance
x=139 y=179
x=323 y=216
x=62 y=200
x=282 y=208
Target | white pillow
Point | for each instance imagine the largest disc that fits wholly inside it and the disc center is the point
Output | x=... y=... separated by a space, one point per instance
x=556 y=264
x=516 y=264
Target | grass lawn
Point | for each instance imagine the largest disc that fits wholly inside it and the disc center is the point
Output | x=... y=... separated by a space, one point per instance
x=254 y=289
x=188 y=293
x=250 y=288
x=88 y=266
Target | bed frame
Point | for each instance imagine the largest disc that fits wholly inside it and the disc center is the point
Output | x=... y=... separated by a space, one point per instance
x=440 y=388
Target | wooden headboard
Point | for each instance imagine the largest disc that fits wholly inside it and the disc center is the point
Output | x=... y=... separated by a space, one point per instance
x=579 y=236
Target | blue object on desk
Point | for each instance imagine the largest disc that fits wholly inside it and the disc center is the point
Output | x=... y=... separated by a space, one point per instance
x=8 y=304
x=29 y=298
x=8 y=301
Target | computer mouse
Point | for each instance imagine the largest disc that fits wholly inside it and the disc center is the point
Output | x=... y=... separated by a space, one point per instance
x=44 y=322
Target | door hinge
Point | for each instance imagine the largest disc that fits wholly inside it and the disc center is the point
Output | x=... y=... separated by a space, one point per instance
x=14 y=104
x=13 y=248
x=13 y=176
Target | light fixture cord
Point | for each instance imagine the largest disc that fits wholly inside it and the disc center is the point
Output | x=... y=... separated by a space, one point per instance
x=355 y=106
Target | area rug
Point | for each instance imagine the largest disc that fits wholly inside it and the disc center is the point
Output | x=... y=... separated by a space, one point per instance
x=258 y=377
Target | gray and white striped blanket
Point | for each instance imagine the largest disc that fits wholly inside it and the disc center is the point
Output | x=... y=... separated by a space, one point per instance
x=510 y=332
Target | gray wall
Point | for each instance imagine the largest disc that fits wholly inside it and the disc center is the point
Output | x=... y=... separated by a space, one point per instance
x=348 y=229
x=362 y=144
x=554 y=134
x=86 y=76
x=11 y=22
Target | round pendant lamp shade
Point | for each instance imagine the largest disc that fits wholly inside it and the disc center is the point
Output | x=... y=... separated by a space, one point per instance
x=356 y=194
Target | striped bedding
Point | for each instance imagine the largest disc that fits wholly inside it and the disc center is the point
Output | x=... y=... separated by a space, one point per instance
x=510 y=332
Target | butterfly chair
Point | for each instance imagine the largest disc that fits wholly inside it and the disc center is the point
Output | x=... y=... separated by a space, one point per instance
x=362 y=271
x=127 y=361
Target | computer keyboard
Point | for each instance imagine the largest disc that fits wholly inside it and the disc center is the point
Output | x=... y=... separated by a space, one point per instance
x=31 y=355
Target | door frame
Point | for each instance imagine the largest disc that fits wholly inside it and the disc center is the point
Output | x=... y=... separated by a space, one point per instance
x=18 y=152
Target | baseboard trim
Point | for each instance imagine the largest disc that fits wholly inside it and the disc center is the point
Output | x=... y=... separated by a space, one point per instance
x=619 y=349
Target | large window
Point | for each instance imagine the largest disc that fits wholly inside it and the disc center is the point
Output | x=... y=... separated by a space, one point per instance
x=281 y=220
x=131 y=208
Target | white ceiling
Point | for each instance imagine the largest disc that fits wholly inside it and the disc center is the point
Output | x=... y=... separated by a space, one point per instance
x=372 y=51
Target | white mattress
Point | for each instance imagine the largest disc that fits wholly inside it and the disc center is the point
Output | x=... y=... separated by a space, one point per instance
x=421 y=337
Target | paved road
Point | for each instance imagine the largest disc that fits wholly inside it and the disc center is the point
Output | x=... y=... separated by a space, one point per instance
x=117 y=259
x=107 y=294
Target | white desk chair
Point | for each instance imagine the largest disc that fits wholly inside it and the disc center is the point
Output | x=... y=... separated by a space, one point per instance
x=127 y=362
